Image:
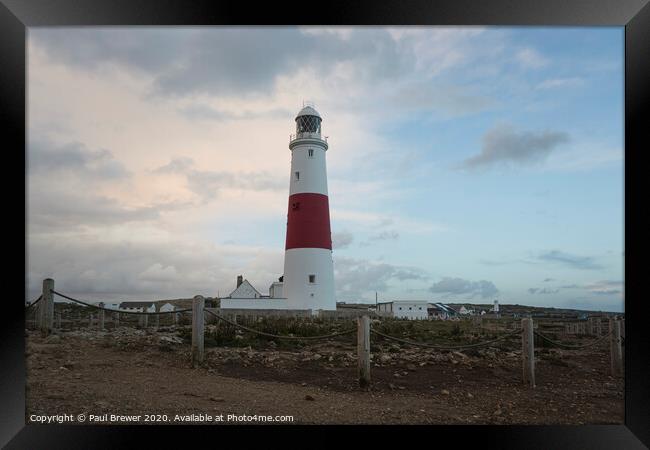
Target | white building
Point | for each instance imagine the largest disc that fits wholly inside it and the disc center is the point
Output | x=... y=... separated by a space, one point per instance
x=138 y=306
x=245 y=296
x=407 y=309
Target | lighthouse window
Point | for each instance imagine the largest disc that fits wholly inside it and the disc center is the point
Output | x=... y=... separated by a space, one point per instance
x=312 y=278
x=297 y=176
x=311 y=152
x=308 y=124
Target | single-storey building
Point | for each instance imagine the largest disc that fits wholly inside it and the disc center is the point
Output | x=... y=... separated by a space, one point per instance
x=405 y=309
x=138 y=306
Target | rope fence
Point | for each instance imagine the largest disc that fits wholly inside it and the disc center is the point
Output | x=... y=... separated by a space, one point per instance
x=445 y=347
x=34 y=302
x=526 y=331
x=569 y=346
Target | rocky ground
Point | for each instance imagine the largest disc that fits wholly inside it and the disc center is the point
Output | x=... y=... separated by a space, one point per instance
x=128 y=371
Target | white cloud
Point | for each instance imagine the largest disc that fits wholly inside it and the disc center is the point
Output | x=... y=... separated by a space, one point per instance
x=530 y=58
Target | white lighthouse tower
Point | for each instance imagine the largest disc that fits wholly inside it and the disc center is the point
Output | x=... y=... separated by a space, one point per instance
x=308 y=267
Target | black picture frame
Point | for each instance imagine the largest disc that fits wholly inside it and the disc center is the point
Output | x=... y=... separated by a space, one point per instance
x=634 y=15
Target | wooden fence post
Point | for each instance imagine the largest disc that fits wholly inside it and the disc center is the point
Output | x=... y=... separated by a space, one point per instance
x=144 y=318
x=198 y=304
x=46 y=308
x=615 y=347
x=622 y=322
x=100 y=317
x=599 y=327
x=528 y=351
x=58 y=321
x=90 y=320
x=176 y=316
x=363 y=350
x=116 y=320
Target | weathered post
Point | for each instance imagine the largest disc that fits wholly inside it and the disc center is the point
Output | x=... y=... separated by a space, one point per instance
x=46 y=307
x=363 y=350
x=58 y=321
x=100 y=316
x=615 y=347
x=90 y=320
x=198 y=304
x=177 y=316
x=528 y=351
x=599 y=327
x=116 y=320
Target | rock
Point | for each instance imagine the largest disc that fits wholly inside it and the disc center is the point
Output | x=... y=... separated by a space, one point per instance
x=392 y=386
x=316 y=357
x=309 y=398
x=444 y=392
x=394 y=348
x=303 y=384
x=171 y=339
x=53 y=339
x=469 y=395
x=411 y=367
x=102 y=404
x=385 y=358
x=217 y=399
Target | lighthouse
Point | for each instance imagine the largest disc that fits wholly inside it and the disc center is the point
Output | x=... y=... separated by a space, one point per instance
x=308 y=268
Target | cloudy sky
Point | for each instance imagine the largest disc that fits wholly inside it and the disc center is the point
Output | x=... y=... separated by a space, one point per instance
x=465 y=164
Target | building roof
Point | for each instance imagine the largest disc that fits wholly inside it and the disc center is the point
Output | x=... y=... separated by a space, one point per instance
x=445 y=308
x=243 y=291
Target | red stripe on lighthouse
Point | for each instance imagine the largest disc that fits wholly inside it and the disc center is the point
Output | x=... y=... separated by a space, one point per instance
x=308 y=222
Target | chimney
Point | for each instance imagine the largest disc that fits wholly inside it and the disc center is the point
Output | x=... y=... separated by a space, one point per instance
x=240 y=280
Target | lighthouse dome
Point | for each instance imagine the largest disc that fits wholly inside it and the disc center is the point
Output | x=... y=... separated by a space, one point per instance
x=308 y=111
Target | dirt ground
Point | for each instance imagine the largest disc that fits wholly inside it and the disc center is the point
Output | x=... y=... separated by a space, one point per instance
x=138 y=372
